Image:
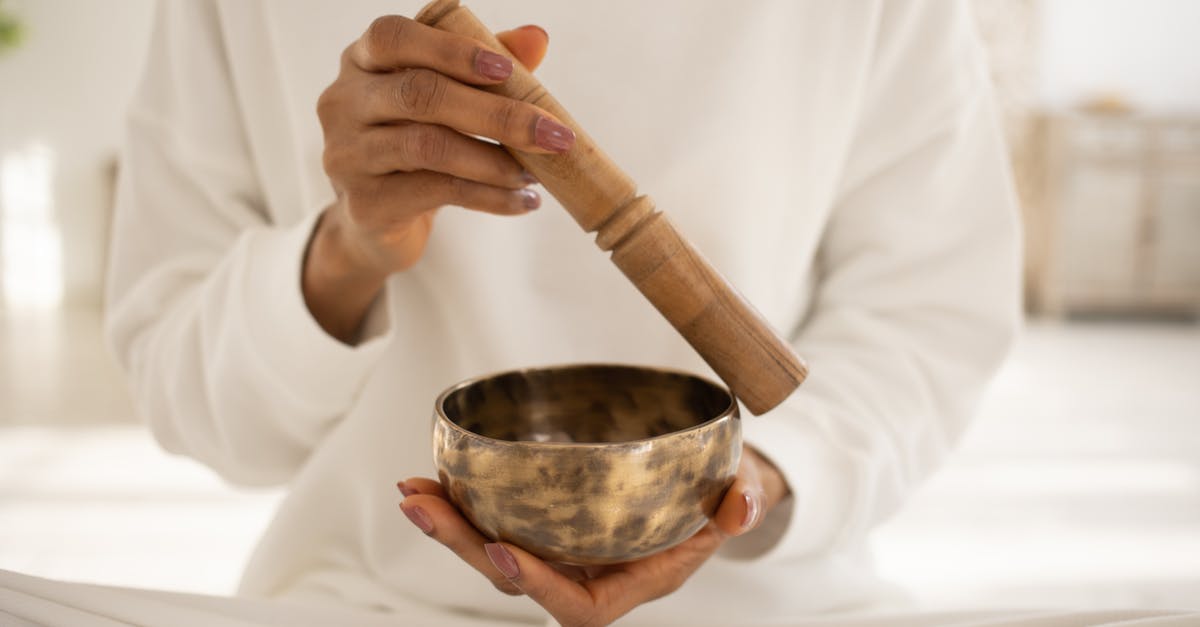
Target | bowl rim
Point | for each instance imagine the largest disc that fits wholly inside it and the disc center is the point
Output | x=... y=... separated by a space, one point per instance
x=730 y=411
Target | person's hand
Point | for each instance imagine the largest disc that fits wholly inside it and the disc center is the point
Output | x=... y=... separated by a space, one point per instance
x=598 y=595
x=401 y=124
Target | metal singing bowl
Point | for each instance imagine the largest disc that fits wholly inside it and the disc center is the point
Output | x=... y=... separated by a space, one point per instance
x=587 y=464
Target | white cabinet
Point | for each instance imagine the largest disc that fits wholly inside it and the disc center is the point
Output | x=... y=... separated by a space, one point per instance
x=1116 y=225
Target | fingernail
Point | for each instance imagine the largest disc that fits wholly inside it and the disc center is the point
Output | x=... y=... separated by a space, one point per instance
x=528 y=178
x=553 y=136
x=536 y=28
x=502 y=560
x=418 y=518
x=531 y=199
x=405 y=490
x=752 y=508
x=494 y=66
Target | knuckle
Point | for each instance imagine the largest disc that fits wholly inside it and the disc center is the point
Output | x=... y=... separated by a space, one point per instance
x=335 y=159
x=330 y=162
x=328 y=105
x=434 y=190
x=459 y=189
x=505 y=117
x=419 y=92
x=385 y=34
x=358 y=204
x=424 y=145
x=457 y=544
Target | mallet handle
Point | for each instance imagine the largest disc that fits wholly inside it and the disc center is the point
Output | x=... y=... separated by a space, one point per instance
x=760 y=368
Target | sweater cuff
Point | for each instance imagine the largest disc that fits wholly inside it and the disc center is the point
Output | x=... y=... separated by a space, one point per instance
x=312 y=365
x=809 y=520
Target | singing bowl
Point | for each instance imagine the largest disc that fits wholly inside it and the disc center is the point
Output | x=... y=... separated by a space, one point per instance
x=587 y=464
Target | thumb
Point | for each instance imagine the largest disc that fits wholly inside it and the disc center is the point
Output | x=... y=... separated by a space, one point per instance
x=743 y=506
x=527 y=43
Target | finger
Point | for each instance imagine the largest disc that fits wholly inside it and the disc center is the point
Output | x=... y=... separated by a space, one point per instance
x=527 y=43
x=430 y=190
x=438 y=519
x=421 y=485
x=411 y=147
x=611 y=595
x=662 y=573
x=743 y=505
x=393 y=42
x=422 y=95
x=568 y=601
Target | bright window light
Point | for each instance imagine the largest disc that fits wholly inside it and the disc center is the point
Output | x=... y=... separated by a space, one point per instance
x=31 y=243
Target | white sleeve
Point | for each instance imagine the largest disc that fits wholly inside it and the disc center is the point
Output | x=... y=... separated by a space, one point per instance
x=205 y=310
x=917 y=297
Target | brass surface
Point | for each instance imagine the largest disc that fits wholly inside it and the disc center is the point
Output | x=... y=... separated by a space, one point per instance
x=587 y=464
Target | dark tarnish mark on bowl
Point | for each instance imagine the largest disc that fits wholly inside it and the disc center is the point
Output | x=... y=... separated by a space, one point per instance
x=459 y=464
x=631 y=530
x=658 y=462
x=713 y=469
x=710 y=492
x=510 y=494
x=530 y=535
x=583 y=522
x=526 y=511
x=683 y=528
x=595 y=465
x=618 y=498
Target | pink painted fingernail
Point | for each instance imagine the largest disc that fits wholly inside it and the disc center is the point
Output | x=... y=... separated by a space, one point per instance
x=529 y=198
x=405 y=490
x=502 y=560
x=527 y=177
x=552 y=136
x=752 y=508
x=418 y=518
x=494 y=66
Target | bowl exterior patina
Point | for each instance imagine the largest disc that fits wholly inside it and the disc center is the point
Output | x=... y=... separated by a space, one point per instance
x=589 y=464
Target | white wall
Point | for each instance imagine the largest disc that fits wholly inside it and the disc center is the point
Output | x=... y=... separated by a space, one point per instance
x=63 y=92
x=62 y=97
x=1146 y=50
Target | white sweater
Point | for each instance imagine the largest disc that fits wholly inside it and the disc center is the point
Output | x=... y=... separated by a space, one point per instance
x=839 y=162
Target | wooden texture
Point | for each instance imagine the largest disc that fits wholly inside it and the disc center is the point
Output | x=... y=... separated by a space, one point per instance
x=760 y=367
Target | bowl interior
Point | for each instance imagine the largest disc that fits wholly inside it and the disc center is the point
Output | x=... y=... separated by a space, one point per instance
x=586 y=404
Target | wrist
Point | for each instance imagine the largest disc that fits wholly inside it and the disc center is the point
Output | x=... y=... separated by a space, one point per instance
x=774 y=484
x=336 y=255
x=338 y=281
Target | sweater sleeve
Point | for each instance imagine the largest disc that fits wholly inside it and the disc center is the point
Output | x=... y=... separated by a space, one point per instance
x=204 y=304
x=917 y=292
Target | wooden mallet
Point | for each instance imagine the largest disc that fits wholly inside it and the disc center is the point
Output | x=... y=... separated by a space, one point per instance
x=760 y=368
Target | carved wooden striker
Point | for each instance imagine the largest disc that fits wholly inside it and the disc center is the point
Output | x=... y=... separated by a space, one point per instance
x=760 y=368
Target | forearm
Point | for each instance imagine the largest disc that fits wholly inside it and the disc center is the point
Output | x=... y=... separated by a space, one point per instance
x=225 y=361
x=205 y=308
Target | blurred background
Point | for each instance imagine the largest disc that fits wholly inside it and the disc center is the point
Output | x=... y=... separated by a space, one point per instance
x=1079 y=484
